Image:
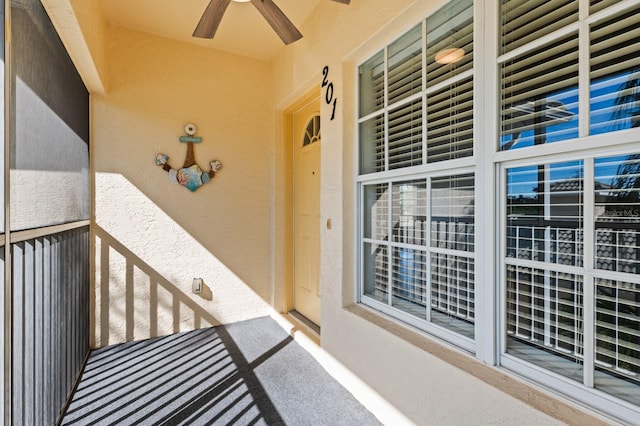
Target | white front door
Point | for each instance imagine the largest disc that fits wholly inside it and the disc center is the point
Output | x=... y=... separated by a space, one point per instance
x=306 y=214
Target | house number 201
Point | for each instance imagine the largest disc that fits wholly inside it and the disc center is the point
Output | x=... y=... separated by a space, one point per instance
x=328 y=93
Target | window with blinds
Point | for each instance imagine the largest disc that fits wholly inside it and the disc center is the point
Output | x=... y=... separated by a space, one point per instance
x=571 y=235
x=545 y=270
x=417 y=230
x=615 y=72
x=418 y=93
x=418 y=249
x=539 y=102
x=540 y=80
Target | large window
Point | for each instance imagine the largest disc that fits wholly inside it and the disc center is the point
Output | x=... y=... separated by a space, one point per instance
x=559 y=149
x=417 y=233
x=570 y=72
x=552 y=267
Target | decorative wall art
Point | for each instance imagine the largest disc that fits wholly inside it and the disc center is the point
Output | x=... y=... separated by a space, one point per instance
x=190 y=175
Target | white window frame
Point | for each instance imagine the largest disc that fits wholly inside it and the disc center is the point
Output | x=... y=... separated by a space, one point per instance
x=459 y=166
x=583 y=392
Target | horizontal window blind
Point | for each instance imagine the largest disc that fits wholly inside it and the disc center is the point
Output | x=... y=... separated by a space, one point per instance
x=405 y=66
x=450 y=122
x=449 y=28
x=405 y=136
x=407 y=271
x=615 y=73
x=376 y=204
x=540 y=95
x=372 y=145
x=417 y=235
x=371 y=85
x=409 y=211
x=452 y=286
x=598 y=5
x=524 y=21
x=409 y=280
x=409 y=265
x=452 y=212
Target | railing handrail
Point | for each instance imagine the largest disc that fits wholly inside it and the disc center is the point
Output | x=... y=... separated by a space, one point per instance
x=30 y=234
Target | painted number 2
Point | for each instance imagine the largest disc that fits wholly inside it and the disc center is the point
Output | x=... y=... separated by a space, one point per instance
x=328 y=94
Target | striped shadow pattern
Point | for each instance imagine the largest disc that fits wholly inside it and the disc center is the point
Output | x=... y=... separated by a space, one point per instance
x=247 y=373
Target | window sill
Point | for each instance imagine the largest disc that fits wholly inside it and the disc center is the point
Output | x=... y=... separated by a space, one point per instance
x=510 y=384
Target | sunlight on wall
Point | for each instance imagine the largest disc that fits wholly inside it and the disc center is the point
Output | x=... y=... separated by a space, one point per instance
x=144 y=266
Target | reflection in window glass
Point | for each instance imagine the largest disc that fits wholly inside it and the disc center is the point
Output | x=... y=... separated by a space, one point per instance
x=545 y=213
x=449 y=41
x=618 y=338
x=452 y=212
x=409 y=264
x=544 y=319
x=409 y=281
x=544 y=305
x=540 y=95
x=617 y=213
x=452 y=275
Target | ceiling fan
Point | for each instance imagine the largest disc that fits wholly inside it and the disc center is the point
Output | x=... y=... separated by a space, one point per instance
x=285 y=29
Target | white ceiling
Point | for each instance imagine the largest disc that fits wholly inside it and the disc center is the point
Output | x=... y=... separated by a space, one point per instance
x=243 y=30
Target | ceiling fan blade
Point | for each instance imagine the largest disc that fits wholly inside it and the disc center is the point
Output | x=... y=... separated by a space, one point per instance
x=278 y=20
x=343 y=1
x=211 y=18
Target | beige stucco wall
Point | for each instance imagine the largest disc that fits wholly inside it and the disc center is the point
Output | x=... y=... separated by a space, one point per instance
x=152 y=237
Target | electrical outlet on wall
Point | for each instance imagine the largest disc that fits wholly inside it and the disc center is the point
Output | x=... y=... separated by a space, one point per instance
x=197 y=285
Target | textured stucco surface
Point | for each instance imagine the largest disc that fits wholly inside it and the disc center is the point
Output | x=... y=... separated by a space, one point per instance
x=151 y=230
